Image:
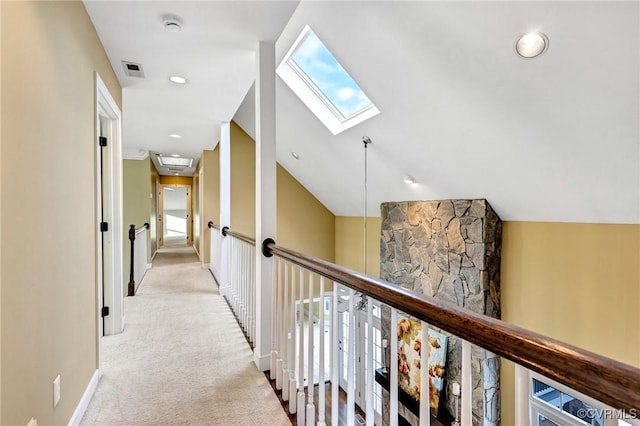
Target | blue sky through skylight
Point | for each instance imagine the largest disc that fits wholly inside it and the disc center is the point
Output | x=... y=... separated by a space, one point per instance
x=326 y=73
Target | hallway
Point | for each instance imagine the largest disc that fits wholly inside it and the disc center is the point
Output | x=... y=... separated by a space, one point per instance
x=182 y=358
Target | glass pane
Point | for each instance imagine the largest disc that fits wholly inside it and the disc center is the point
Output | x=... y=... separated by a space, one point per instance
x=345 y=343
x=543 y=421
x=323 y=70
x=546 y=393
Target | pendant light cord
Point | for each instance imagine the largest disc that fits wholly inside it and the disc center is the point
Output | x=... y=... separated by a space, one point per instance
x=366 y=141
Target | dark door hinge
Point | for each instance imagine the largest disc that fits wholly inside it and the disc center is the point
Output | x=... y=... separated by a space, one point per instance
x=105 y=311
x=104 y=226
x=102 y=141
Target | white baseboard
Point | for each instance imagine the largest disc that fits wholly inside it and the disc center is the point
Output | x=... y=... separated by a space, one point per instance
x=149 y=265
x=262 y=362
x=85 y=400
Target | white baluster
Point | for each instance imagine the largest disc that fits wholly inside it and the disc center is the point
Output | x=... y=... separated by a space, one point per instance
x=245 y=269
x=252 y=262
x=393 y=362
x=311 y=409
x=240 y=283
x=351 y=371
x=293 y=397
x=425 y=395
x=278 y=314
x=466 y=397
x=321 y=403
x=284 y=345
x=301 y=395
x=335 y=355
x=236 y=284
x=276 y=275
x=370 y=379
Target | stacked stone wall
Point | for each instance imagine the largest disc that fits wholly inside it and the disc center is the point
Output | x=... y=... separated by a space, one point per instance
x=449 y=250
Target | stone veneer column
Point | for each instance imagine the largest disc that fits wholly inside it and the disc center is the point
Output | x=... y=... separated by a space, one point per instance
x=449 y=250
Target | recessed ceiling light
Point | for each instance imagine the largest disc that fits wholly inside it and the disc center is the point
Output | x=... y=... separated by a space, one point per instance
x=295 y=155
x=408 y=179
x=177 y=79
x=175 y=136
x=175 y=155
x=532 y=45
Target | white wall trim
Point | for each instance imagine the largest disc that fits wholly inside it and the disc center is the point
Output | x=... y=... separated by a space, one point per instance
x=76 y=418
x=262 y=362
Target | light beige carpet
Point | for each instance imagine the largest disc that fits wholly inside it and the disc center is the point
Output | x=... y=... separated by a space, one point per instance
x=182 y=359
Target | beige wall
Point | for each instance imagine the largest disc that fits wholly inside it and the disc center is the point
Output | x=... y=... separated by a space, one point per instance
x=0 y=216
x=579 y=283
x=243 y=182
x=49 y=316
x=136 y=189
x=176 y=180
x=304 y=223
x=350 y=242
x=210 y=198
x=197 y=215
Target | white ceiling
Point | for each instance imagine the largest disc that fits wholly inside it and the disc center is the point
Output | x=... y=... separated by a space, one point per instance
x=214 y=51
x=550 y=139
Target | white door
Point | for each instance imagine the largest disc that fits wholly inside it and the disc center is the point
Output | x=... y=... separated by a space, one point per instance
x=361 y=338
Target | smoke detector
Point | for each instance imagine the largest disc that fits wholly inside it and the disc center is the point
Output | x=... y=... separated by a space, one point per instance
x=171 y=23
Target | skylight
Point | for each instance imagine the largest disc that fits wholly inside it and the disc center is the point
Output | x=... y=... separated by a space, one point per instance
x=316 y=76
x=171 y=161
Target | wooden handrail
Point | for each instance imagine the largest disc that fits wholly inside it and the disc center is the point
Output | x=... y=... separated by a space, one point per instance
x=227 y=232
x=612 y=382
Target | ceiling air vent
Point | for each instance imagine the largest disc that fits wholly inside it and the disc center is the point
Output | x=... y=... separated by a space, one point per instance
x=132 y=69
x=171 y=169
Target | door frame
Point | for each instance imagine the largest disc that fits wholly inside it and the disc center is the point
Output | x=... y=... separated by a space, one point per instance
x=108 y=204
x=160 y=214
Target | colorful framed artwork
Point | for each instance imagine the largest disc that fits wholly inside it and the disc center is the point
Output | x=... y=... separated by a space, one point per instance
x=409 y=365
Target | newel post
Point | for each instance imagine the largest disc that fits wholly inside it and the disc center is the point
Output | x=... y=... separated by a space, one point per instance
x=132 y=283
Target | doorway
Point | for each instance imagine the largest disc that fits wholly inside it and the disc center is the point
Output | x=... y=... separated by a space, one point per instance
x=174 y=219
x=361 y=344
x=108 y=216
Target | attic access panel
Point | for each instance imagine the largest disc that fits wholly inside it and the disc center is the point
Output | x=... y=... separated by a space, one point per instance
x=323 y=85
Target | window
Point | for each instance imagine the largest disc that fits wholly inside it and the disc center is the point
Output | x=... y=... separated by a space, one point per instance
x=318 y=79
x=554 y=404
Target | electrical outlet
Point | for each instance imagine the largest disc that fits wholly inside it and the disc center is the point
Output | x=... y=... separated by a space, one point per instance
x=56 y=391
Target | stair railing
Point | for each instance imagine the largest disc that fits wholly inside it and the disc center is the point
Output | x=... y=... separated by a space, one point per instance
x=215 y=251
x=139 y=253
x=298 y=279
x=241 y=287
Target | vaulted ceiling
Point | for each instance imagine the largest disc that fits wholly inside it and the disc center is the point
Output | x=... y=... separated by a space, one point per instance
x=556 y=138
